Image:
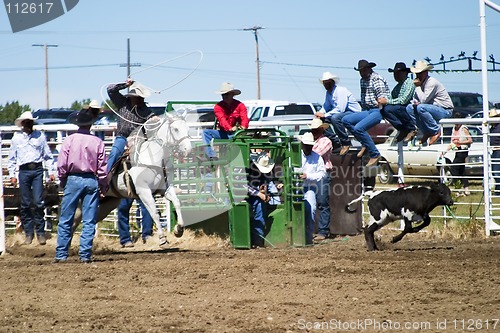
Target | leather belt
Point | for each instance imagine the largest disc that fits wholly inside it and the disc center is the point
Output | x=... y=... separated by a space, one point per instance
x=30 y=166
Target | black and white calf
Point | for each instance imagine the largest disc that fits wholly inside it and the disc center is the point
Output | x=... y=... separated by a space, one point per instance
x=413 y=204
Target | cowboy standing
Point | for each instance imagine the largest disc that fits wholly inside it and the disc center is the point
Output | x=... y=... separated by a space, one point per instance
x=82 y=168
x=495 y=155
x=339 y=102
x=394 y=110
x=431 y=102
x=323 y=147
x=231 y=115
x=313 y=170
x=373 y=87
x=132 y=113
x=28 y=150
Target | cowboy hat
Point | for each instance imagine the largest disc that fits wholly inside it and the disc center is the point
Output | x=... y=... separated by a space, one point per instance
x=307 y=139
x=400 y=67
x=138 y=90
x=318 y=123
x=228 y=87
x=494 y=113
x=263 y=162
x=94 y=104
x=84 y=117
x=27 y=115
x=421 y=66
x=329 y=76
x=365 y=64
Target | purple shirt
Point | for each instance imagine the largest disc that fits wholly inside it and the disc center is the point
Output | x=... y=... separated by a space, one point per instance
x=83 y=152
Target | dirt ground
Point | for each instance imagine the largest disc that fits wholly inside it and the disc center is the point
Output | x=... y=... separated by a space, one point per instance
x=203 y=285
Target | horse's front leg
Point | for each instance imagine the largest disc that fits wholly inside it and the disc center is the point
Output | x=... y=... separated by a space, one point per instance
x=172 y=197
x=149 y=202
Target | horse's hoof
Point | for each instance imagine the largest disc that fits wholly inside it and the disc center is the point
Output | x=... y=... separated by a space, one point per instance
x=163 y=240
x=178 y=231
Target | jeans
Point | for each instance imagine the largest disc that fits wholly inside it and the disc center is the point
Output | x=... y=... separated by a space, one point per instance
x=398 y=117
x=258 y=220
x=323 y=205
x=310 y=205
x=78 y=187
x=123 y=220
x=209 y=134
x=358 y=123
x=427 y=117
x=31 y=188
x=338 y=126
x=116 y=151
x=495 y=168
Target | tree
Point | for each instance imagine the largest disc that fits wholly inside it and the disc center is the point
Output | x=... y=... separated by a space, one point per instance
x=77 y=105
x=11 y=111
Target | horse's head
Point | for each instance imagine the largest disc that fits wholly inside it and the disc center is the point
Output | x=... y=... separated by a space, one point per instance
x=178 y=133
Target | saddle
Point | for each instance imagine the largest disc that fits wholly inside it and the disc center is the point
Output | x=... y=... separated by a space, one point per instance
x=120 y=169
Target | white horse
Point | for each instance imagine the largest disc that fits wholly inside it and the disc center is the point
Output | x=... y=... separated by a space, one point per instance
x=153 y=148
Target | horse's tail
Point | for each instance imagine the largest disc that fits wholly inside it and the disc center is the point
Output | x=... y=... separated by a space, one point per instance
x=348 y=206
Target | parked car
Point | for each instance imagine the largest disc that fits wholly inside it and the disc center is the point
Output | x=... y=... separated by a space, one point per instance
x=466 y=103
x=424 y=160
x=52 y=116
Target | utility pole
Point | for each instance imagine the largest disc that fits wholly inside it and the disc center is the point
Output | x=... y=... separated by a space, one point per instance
x=128 y=64
x=257 y=61
x=45 y=47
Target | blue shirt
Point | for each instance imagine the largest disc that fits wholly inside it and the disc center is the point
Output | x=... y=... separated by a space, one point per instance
x=29 y=148
x=340 y=100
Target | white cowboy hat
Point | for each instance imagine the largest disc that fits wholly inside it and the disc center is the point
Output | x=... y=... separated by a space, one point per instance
x=228 y=87
x=421 y=66
x=138 y=90
x=263 y=162
x=318 y=123
x=307 y=139
x=494 y=113
x=27 y=115
x=329 y=76
x=94 y=104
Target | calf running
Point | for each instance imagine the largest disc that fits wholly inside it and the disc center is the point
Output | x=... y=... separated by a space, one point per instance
x=413 y=204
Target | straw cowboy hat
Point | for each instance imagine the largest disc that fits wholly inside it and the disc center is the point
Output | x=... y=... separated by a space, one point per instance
x=329 y=76
x=318 y=123
x=494 y=113
x=307 y=139
x=365 y=64
x=263 y=162
x=138 y=90
x=228 y=87
x=84 y=117
x=27 y=115
x=399 y=67
x=421 y=66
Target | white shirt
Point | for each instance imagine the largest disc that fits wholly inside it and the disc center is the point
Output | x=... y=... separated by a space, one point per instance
x=314 y=168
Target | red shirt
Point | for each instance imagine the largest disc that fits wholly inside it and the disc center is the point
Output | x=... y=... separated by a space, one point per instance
x=231 y=115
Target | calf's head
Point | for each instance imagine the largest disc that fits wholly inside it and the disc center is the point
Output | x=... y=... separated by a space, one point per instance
x=443 y=192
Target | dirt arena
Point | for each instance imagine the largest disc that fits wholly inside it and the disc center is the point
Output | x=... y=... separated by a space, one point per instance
x=203 y=285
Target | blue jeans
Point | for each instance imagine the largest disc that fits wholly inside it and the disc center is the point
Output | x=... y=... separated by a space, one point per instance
x=338 y=126
x=209 y=134
x=323 y=205
x=398 y=117
x=258 y=220
x=123 y=220
x=78 y=187
x=427 y=117
x=310 y=205
x=31 y=188
x=495 y=168
x=116 y=151
x=358 y=123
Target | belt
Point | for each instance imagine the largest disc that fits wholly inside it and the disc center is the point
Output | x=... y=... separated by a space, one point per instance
x=30 y=166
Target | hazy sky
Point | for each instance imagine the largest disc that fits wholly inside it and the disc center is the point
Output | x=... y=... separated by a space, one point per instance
x=201 y=44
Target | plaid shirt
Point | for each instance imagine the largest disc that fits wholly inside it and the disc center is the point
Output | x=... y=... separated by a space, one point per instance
x=372 y=89
x=402 y=93
x=323 y=147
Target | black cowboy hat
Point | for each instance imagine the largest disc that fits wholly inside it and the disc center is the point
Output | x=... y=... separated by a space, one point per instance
x=399 y=66
x=83 y=117
x=365 y=64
